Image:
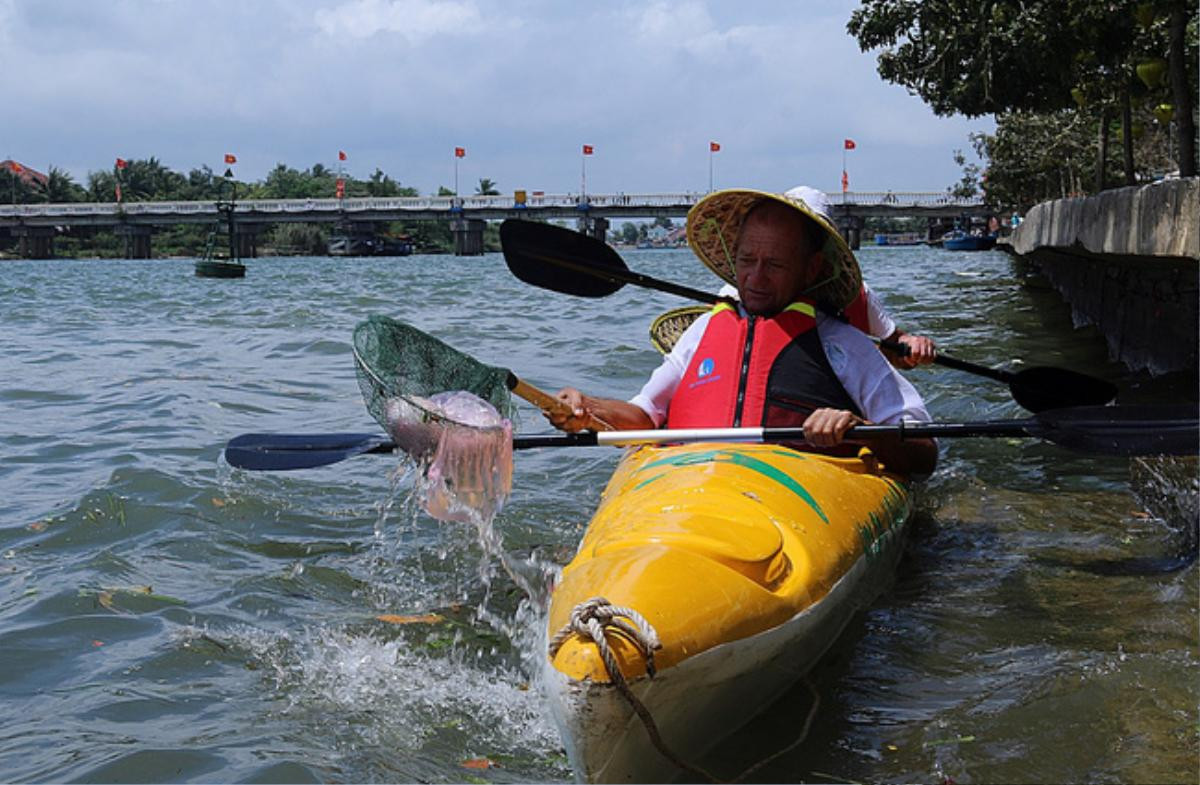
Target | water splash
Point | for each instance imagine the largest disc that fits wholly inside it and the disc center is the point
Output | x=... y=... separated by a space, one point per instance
x=382 y=695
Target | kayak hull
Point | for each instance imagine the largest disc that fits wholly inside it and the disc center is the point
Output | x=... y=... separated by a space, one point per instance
x=748 y=560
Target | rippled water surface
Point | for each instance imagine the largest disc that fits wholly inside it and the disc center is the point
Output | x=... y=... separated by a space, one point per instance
x=166 y=618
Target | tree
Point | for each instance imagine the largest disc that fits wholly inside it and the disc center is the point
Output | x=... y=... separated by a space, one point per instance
x=976 y=57
x=14 y=190
x=486 y=187
x=101 y=187
x=381 y=185
x=61 y=187
x=1034 y=157
x=968 y=186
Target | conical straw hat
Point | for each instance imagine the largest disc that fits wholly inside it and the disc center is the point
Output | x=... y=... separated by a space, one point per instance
x=714 y=222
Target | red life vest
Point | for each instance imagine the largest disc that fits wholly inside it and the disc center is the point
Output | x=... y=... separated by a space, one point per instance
x=749 y=371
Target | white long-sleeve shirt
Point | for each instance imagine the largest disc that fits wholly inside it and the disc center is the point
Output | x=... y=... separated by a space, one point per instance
x=879 y=391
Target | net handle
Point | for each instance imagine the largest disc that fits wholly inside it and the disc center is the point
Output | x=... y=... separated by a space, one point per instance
x=548 y=403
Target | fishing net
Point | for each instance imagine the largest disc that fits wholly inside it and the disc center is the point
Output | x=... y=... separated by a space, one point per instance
x=396 y=360
x=443 y=408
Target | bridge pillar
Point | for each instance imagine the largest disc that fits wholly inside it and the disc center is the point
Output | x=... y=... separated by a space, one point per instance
x=938 y=227
x=851 y=227
x=594 y=227
x=468 y=236
x=137 y=240
x=245 y=238
x=34 y=242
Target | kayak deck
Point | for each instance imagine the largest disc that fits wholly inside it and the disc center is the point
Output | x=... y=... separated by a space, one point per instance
x=746 y=559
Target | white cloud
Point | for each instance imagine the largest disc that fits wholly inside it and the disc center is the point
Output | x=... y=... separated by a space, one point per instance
x=399 y=84
x=415 y=20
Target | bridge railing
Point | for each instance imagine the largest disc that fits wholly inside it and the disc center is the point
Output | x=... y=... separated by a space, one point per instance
x=903 y=199
x=450 y=204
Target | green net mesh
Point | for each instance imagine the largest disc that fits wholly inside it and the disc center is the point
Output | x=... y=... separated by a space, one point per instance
x=396 y=360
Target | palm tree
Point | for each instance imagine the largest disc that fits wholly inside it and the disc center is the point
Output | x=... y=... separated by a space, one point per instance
x=486 y=187
x=60 y=187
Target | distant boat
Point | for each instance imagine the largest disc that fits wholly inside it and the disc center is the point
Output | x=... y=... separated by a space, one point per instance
x=958 y=240
x=906 y=238
x=369 y=245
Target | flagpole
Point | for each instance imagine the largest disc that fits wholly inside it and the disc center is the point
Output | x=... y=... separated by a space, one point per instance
x=583 y=174
x=710 y=152
x=456 y=174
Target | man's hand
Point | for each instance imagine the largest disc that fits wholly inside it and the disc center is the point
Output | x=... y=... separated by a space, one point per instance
x=588 y=412
x=921 y=350
x=578 y=419
x=827 y=427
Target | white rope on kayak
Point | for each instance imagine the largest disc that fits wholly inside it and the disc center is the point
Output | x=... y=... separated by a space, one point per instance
x=590 y=619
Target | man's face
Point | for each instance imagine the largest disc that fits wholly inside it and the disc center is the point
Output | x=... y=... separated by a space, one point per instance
x=770 y=265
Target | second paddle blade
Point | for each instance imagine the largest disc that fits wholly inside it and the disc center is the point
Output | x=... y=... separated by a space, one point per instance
x=1172 y=429
x=561 y=260
x=1044 y=389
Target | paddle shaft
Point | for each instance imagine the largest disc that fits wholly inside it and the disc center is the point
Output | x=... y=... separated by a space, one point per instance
x=1109 y=430
x=953 y=362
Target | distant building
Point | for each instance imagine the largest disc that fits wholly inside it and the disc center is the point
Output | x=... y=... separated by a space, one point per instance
x=28 y=176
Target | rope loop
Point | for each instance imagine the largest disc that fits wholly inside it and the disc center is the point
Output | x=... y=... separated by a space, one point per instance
x=590 y=620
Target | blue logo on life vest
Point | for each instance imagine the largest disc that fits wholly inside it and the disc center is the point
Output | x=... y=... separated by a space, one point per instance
x=704 y=373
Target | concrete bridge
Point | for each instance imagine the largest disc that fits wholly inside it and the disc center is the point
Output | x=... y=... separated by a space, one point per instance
x=35 y=225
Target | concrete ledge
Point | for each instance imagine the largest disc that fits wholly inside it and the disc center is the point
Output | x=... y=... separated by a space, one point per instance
x=1128 y=262
x=1161 y=219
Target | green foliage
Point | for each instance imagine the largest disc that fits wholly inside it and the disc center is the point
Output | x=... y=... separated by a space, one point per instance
x=61 y=187
x=381 y=185
x=486 y=187
x=1073 y=63
x=1034 y=157
x=15 y=191
x=298 y=239
x=976 y=57
x=968 y=186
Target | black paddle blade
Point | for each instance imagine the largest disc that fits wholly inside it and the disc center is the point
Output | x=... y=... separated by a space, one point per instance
x=1044 y=389
x=1125 y=430
x=561 y=260
x=281 y=452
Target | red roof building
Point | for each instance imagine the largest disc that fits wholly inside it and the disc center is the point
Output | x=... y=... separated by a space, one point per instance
x=30 y=177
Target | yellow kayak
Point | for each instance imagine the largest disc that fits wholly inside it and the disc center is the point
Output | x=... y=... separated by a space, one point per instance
x=745 y=560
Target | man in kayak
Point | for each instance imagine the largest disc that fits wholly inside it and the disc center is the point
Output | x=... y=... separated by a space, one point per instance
x=865 y=312
x=774 y=357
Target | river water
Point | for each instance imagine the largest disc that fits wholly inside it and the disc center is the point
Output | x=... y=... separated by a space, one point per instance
x=164 y=617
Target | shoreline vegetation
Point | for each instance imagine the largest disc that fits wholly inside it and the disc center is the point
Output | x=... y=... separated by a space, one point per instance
x=148 y=180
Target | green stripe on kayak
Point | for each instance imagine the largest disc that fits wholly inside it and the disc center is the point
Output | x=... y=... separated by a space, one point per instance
x=739 y=459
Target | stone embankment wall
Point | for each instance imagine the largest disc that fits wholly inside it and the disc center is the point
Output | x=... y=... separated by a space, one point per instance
x=1128 y=261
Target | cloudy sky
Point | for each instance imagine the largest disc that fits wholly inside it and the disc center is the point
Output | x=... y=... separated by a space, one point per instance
x=520 y=84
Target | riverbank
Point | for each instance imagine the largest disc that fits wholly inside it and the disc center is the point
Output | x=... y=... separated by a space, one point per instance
x=1128 y=262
